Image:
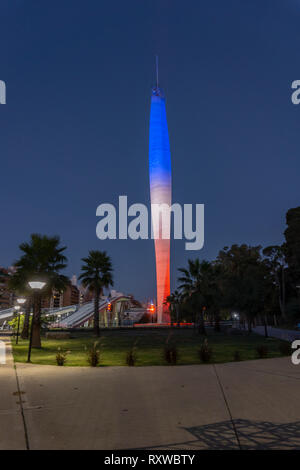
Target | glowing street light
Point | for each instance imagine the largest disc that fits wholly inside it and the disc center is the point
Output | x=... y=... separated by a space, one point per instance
x=36 y=285
x=17 y=308
x=21 y=301
x=151 y=310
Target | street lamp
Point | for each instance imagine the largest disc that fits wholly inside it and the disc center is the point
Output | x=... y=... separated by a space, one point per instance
x=17 y=308
x=20 y=301
x=36 y=286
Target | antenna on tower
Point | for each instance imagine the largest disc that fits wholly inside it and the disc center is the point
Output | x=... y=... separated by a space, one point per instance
x=156 y=57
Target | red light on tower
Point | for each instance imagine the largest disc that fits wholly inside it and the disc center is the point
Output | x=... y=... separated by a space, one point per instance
x=109 y=307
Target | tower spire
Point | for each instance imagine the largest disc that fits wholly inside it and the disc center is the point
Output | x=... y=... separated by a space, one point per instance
x=161 y=193
x=156 y=68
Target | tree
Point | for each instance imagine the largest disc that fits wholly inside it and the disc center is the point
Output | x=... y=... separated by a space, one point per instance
x=201 y=285
x=193 y=285
x=215 y=293
x=245 y=278
x=174 y=301
x=96 y=275
x=292 y=245
x=276 y=264
x=42 y=259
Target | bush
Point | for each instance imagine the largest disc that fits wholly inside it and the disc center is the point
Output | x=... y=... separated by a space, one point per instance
x=205 y=352
x=170 y=352
x=285 y=348
x=61 y=357
x=93 y=355
x=262 y=351
x=237 y=356
x=131 y=356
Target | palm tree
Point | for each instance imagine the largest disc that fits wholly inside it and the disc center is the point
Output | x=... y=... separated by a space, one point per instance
x=174 y=300
x=96 y=275
x=194 y=286
x=42 y=259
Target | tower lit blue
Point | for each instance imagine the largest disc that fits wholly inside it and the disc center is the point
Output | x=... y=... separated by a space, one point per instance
x=161 y=192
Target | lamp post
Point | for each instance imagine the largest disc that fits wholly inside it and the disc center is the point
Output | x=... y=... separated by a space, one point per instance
x=36 y=286
x=17 y=308
x=20 y=301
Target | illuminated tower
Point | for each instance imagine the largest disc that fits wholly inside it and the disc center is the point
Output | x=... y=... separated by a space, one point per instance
x=160 y=192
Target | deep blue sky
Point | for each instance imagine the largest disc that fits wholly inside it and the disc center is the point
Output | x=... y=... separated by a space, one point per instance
x=74 y=132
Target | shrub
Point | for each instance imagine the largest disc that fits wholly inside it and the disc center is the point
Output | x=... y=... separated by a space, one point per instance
x=237 y=356
x=93 y=355
x=170 y=352
x=61 y=357
x=205 y=352
x=262 y=351
x=285 y=348
x=131 y=356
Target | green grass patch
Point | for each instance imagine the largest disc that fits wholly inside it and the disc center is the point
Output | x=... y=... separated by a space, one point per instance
x=114 y=345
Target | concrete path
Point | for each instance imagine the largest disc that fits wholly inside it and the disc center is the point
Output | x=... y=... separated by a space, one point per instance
x=12 y=434
x=252 y=404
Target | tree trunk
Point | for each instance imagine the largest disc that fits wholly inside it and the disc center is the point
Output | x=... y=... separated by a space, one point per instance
x=195 y=320
x=283 y=293
x=249 y=321
x=36 y=323
x=177 y=316
x=96 y=313
x=217 y=322
x=201 y=329
x=266 y=327
x=281 y=284
x=25 y=330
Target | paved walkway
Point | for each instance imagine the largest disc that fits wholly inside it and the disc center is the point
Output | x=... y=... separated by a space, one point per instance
x=252 y=404
x=12 y=435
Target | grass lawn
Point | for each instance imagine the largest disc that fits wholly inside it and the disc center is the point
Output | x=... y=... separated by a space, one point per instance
x=114 y=345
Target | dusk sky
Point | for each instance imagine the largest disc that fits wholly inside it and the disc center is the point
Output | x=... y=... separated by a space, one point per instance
x=74 y=132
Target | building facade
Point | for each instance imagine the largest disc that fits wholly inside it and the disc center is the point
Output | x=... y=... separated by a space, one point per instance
x=6 y=296
x=70 y=296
